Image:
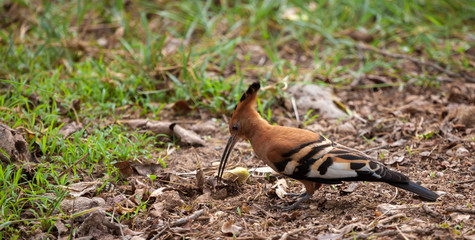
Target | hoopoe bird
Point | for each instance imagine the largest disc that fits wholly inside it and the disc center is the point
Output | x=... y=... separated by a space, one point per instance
x=306 y=156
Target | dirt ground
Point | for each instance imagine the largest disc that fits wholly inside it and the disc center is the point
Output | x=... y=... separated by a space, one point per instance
x=425 y=133
x=425 y=130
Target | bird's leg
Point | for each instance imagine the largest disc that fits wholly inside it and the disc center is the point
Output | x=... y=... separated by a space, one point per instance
x=296 y=204
x=310 y=188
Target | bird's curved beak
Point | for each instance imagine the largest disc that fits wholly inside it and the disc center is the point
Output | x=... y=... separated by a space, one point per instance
x=227 y=151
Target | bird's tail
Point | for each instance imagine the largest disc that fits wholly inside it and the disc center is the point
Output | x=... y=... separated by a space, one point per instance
x=417 y=189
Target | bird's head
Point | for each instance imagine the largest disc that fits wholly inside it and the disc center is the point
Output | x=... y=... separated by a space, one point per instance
x=240 y=123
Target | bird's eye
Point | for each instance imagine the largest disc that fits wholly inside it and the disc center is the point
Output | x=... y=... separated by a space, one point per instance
x=235 y=127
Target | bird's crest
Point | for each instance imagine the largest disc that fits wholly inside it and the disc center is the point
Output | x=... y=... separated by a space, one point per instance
x=248 y=98
x=251 y=91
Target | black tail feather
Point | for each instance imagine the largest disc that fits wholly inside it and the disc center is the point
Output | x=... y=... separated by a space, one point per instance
x=417 y=189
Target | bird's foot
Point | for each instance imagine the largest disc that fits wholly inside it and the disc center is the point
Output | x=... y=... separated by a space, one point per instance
x=295 y=205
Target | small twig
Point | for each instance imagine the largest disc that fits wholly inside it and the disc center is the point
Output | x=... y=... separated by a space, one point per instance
x=75 y=164
x=462 y=210
x=159 y=233
x=401 y=56
x=389 y=219
x=360 y=118
x=289 y=233
x=184 y=220
x=400 y=232
x=430 y=211
x=264 y=211
x=468 y=181
x=179 y=222
x=370 y=225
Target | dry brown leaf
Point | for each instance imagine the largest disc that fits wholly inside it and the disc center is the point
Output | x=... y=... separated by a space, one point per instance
x=13 y=144
x=69 y=128
x=147 y=169
x=281 y=188
x=352 y=187
x=389 y=209
x=181 y=107
x=83 y=188
x=99 y=227
x=229 y=228
x=79 y=204
x=124 y=168
x=358 y=35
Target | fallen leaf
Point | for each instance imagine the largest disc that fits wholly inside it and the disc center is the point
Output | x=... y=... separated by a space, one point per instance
x=181 y=107
x=394 y=159
x=352 y=187
x=99 y=226
x=147 y=169
x=230 y=228
x=69 y=128
x=60 y=227
x=79 y=204
x=14 y=145
x=362 y=36
x=389 y=209
x=124 y=168
x=281 y=188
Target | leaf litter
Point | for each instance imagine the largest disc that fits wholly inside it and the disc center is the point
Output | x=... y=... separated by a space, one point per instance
x=426 y=133
x=184 y=199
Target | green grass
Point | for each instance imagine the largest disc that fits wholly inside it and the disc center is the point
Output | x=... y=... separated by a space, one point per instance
x=51 y=56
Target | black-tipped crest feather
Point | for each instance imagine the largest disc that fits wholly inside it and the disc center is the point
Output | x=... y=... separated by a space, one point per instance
x=251 y=90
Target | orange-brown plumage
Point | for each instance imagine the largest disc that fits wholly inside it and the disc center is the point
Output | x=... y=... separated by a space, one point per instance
x=306 y=156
